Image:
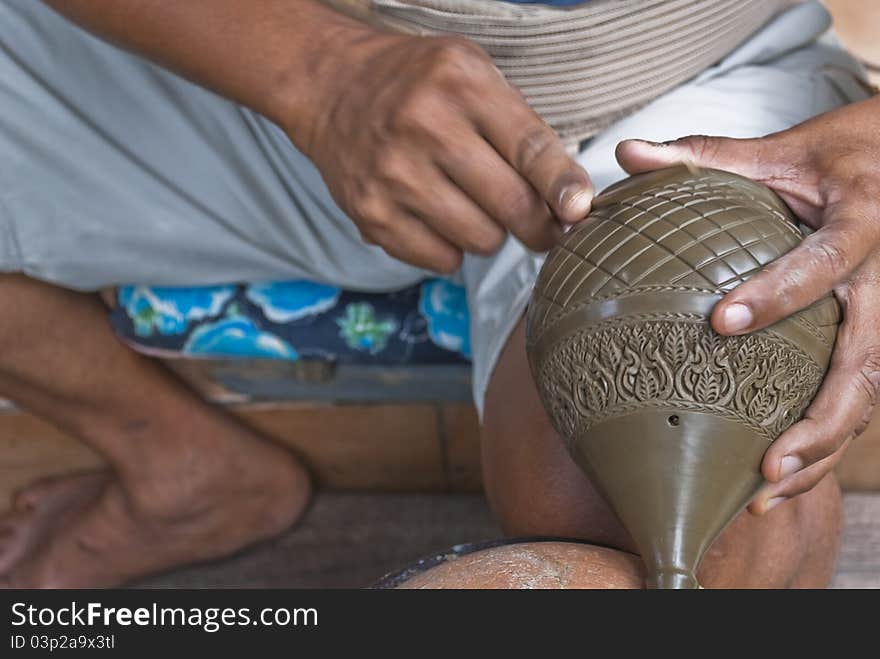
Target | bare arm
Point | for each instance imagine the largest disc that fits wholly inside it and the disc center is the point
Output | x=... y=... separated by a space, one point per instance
x=827 y=170
x=420 y=140
x=270 y=55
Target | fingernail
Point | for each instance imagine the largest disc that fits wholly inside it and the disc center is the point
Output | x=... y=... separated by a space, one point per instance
x=790 y=464
x=737 y=317
x=775 y=501
x=656 y=145
x=576 y=202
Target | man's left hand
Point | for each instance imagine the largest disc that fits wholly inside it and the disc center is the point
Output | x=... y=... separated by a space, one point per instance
x=828 y=171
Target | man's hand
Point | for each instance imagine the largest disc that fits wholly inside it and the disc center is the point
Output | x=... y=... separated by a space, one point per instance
x=420 y=139
x=432 y=153
x=828 y=171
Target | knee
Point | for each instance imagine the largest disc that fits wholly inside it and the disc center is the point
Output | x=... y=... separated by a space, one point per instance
x=794 y=545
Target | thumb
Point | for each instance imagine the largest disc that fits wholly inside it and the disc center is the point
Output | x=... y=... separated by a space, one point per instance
x=747 y=157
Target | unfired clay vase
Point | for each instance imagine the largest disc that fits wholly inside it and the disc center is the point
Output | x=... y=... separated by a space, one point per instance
x=669 y=419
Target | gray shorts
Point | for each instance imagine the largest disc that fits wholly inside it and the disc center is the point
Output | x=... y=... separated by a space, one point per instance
x=114 y=171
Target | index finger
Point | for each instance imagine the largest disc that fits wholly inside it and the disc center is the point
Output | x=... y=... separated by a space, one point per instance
x=534 y=150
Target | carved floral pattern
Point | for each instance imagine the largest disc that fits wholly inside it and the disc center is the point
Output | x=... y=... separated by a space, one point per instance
x=675 y=361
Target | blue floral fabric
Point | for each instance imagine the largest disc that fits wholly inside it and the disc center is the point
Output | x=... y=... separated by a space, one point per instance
x=425 y=324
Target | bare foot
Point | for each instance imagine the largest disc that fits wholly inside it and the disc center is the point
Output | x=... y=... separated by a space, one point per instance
x=38 y=509
x=92 y=530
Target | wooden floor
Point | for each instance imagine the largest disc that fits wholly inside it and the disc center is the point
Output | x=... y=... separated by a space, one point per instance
x=352 y=540
x=859 y=564
x=349 y=540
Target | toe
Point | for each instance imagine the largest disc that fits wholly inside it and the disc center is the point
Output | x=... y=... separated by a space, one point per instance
x=14 y=539
x=25 y=500
x=52 y=493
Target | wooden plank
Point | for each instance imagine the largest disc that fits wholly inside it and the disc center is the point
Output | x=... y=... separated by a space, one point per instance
x=354 y=447
x=860 y=549
x=859 y=562
x=241 y=380
x=862 y=580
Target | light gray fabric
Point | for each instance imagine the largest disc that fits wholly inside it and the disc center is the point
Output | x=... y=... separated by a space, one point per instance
x=584 y=66
x=114 y=171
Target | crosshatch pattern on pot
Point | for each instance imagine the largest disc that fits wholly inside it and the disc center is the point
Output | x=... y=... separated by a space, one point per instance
x=698 y=233
x=619 y=318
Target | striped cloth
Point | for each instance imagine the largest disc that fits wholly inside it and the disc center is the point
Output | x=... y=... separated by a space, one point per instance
x=554 y=3
x=583 y=67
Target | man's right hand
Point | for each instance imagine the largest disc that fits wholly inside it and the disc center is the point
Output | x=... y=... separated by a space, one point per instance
x=420 y=139
x=433 y=153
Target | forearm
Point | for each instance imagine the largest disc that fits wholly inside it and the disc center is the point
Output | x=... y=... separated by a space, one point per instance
x=278 y=57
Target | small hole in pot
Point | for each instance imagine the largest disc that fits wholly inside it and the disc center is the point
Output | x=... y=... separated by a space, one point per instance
x=673 y=421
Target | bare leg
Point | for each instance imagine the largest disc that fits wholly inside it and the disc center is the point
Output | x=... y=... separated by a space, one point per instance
x=187 y=483
x=536 y=489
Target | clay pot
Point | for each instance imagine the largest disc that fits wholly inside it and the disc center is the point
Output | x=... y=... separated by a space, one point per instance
x=520 y=564
x=669 y=419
